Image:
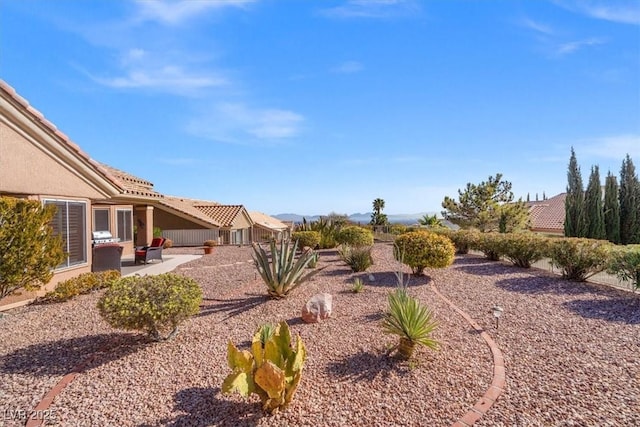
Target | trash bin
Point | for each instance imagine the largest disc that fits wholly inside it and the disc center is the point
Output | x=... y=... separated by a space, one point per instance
x=107 y=257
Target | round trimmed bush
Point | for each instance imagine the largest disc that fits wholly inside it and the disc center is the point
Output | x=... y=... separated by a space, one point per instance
x=306 y=239
x=422 y=249
x=355 y=236
x=464 y=240
x=153 y=304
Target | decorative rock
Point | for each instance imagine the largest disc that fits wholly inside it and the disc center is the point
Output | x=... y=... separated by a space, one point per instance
x=372 y=278
x=317 y=308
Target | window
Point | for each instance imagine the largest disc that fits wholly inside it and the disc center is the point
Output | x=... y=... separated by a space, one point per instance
x=101 y=220
x=71 y=223
x=124 y=225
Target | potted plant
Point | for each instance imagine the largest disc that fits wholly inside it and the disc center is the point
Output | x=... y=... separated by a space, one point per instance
x=209 y=245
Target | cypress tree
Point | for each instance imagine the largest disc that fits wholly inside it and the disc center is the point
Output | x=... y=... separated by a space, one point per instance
x=629 y=203
x=574 y=224
x=611 y=209
x=594 y=214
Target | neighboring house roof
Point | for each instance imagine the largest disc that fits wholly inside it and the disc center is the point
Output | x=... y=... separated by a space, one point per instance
x=267 y=221
x=223 y=214
x=59 y=145
x=548 y=215
x=132 y=185
x=187 y=207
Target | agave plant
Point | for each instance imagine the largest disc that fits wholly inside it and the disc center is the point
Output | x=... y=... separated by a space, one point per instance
x=411 y=321
x=283 y=272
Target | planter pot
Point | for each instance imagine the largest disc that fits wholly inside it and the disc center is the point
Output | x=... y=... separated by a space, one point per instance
x=208 y=250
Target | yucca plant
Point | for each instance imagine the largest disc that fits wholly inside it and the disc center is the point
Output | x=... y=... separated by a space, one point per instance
x=411 y=321
x=282 y=273
x=357 y=286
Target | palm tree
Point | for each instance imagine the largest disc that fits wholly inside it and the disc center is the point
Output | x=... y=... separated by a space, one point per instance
x=430 y=221
x=377 y=217
x=378 y=206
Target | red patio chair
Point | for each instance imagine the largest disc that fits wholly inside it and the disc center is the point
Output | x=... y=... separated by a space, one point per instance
x=148 y=253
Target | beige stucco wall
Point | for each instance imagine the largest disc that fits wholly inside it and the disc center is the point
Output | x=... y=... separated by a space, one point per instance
x=27 y=169
x=129 y=246
x=241 y=221
x=168 y=221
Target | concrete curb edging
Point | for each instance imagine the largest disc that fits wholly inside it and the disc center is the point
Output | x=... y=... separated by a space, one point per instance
x=499 y=376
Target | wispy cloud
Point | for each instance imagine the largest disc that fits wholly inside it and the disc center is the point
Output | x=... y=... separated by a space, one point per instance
x=348 y=67
x=620 y=11
x=168 y=73
x=373 y=9
x=172 y=12
x=613 y=147
x=537 y=26
x=238 y=123
x=563 y=49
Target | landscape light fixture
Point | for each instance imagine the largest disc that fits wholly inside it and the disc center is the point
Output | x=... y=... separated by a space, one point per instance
x=497 y=312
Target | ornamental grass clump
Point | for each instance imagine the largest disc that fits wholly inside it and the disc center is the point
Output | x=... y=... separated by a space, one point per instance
x=579 y=258
x=272 y=369
x=153 y=304
x=357 y=257
x=281 y=271
x=413 y=322
x=357 y=286
x=422 y=249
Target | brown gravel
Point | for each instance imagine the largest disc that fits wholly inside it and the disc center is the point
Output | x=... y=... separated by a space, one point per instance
x=571 y=352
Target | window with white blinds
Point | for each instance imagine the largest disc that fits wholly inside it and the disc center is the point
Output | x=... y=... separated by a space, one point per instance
x=70 y=222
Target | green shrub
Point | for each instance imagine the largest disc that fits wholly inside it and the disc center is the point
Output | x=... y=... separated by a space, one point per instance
x=272 y=369
x=81 y=284
x=357 y=257
x=491 y=245
x=153 y=304
x=422 y=249
x=411 y=321
x=29 y=249
x=306 y=239
x=463 y=239
x=315 y=257
x=326 y=228
x=355 y=236
x=523 y=249
x=624 y=262
x=282 y=273
x=398 y=229
x=578 y=258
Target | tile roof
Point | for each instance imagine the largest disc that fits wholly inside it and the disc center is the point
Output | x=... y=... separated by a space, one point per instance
x=267 y=221
x=131 y=184
x=548 y=215
x=223 y=214
x=186 y=207
x=37 y=117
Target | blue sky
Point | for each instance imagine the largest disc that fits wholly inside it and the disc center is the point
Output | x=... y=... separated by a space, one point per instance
x=319 y=106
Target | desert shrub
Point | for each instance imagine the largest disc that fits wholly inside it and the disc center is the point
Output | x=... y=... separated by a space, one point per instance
x=210 y=243
x=422 y=249
x=463 y=239
x=523 y=249
x=153 y=304
x=81 y=284
x=272 y=369
x=624 y=262
x=327 y=229
x=491 y=245
x=355 y=236
x=306 y=239
x=398 y=229
x=168 y=243
x=578 y=258
x=315 y=257
x=411 y=321
x=281 y=272
x=357 y=257
x=29 y=249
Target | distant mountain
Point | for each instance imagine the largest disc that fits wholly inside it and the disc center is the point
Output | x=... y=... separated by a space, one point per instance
x=362 y=218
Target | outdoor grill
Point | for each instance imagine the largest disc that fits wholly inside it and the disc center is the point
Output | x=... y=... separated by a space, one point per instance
x=102 y=237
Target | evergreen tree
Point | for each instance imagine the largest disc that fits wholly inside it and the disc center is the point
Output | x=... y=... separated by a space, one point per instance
x=528 y=199
x=594 y=214
x=574 y=223
x=611 y=209
x=629 y=195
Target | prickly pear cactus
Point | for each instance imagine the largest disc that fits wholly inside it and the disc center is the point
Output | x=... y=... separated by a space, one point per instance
x=272 y=369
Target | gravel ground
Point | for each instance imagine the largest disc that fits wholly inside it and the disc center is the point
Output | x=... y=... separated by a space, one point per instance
x=571 y=352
